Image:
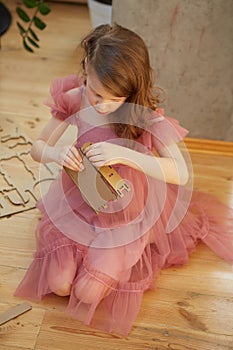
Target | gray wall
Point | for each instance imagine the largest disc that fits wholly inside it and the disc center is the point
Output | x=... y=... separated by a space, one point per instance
x=191 y=49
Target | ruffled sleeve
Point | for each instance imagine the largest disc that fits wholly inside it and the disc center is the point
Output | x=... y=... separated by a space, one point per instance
x=165 y=131
x=63 y=104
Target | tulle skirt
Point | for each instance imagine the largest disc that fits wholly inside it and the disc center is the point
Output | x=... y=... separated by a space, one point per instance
x=107 y=283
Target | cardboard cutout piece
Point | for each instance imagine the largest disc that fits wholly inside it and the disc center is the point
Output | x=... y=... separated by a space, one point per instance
x=98 y=186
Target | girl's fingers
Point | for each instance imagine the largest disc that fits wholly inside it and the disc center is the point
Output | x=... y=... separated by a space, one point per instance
x=74 y=159
x=97 y=161
x=92 y=152
x=76 y=154
x=96 y=158
x=73 y=166
x=72 y=154
x=68 y=162
x=95 y=146
x=72 y=162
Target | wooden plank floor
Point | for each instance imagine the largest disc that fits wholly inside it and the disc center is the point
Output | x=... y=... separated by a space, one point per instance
x=192 y=307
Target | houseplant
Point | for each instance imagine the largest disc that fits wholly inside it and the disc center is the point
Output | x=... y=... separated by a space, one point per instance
x=29 y=37
x=29 y=14
x=29 y=20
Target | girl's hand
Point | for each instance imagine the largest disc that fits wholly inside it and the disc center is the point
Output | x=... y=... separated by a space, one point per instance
x=104 y=153
x=69 y=157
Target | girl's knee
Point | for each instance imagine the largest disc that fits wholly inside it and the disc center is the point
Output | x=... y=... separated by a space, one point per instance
x=89 y=290
x=62 y=290
x=60 y=284
x=60 y=281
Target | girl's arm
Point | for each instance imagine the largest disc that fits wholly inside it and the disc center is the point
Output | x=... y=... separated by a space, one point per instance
x=44 y=149
x=169 y=167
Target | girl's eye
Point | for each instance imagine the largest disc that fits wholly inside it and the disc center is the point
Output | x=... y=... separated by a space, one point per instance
x=116 y=99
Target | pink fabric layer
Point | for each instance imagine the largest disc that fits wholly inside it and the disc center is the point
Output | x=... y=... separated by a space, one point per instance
x=62 y=103
x=112 y=258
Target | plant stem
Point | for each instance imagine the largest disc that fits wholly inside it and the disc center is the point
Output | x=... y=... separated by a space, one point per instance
x=30 y=24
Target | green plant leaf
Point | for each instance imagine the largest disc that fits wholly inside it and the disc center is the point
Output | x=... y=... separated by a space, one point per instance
x=30 y=3
x=39 y=23
x=44 y=8
x=22 y=14
x=28 y=48
x=33 y=42
x=21 y=28
x=33 y=34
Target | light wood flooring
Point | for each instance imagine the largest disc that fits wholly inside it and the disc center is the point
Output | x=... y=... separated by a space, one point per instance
x=192 y=308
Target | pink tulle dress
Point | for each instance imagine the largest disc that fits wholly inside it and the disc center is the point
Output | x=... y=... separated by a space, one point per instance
x=114 y=256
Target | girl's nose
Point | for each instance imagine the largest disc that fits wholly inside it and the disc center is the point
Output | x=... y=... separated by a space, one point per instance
x=99 y=100
x=103 y=107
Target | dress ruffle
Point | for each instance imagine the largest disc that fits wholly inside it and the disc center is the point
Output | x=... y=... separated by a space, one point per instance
x=110 y=260
x=165 y=131
x=63 y=104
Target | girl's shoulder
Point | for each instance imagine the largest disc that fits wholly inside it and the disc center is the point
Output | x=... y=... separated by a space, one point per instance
x=164 y=130
x=66 y=95
x=158 y=119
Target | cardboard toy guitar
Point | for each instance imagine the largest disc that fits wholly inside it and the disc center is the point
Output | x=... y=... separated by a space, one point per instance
x=98 y=185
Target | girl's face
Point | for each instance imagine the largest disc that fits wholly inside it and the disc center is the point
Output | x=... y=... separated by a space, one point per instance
x=102 y=101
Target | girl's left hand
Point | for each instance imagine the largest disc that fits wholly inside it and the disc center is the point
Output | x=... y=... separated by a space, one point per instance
x=104 y=153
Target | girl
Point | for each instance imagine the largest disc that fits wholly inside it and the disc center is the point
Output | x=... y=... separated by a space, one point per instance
x=105 y=261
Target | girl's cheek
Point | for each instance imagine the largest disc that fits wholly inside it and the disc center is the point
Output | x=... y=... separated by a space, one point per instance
x=90 y=98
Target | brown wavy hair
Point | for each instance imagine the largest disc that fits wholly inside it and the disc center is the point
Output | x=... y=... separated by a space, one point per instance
x=120 y=59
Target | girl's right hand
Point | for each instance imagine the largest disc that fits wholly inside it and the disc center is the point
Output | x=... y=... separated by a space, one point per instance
x=69 y=157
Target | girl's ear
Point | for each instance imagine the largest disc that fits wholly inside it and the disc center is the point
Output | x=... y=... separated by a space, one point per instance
x=85 y=65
